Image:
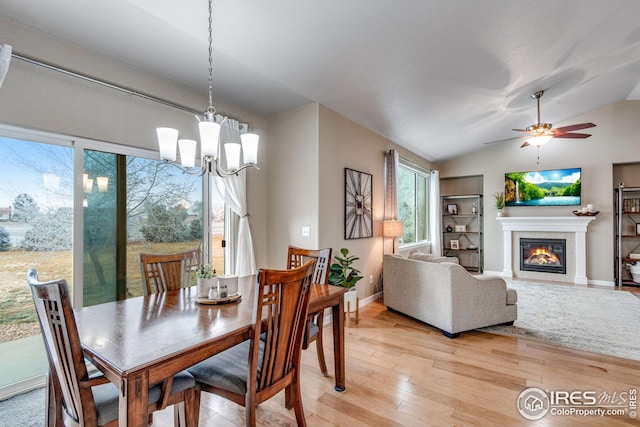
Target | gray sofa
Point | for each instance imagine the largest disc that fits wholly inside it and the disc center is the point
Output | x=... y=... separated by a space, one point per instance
x=440 y=292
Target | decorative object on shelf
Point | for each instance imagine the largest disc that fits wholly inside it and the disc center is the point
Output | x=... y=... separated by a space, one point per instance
x=209 y=128
x=472 y=247
x=638 y=229
x=499 y=198
x=585 y=213
x=449 y=229
x=452 y=209
x=460 y=228
x=474 y=209
x=358 y=204
x=455 y=244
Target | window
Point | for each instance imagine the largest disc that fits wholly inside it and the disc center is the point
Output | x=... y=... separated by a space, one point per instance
x=413 y=197
x=84 y=210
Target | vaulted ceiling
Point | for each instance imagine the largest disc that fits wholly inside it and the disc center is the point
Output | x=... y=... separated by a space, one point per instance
x=439 y=77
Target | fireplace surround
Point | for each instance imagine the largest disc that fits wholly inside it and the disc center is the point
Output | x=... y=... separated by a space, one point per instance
x=575 y=227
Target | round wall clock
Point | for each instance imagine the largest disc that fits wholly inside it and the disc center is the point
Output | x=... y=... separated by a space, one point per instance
x=358 y=204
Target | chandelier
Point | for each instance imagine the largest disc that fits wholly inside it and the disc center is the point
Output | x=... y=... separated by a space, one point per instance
x=209 y=129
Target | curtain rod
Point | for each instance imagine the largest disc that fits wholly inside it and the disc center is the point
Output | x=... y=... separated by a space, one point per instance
x=114 y=86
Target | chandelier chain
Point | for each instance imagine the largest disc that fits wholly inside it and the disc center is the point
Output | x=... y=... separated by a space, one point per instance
x=211 y=108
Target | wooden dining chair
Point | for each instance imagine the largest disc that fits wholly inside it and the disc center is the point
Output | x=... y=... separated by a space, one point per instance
x=313 y=332
x=93 y=400
x=162 y=273
x=257 y=369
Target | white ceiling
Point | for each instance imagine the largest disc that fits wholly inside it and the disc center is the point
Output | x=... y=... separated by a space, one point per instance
x=438 y=77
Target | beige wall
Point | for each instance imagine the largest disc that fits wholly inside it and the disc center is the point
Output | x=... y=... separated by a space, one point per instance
x=346 y=144
x=309 y=148
x=293 y=180
x=38 y=98
x=614 y=140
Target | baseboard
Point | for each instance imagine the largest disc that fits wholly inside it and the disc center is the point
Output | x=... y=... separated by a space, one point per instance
x=23 y=387
x=368 y=300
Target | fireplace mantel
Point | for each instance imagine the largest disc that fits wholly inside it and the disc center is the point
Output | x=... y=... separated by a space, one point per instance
x=560 y=224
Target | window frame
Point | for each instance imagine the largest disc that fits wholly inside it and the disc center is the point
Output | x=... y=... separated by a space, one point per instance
x=426 y=173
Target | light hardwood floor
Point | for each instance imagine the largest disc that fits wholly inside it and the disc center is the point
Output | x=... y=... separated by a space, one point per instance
x=401 y=372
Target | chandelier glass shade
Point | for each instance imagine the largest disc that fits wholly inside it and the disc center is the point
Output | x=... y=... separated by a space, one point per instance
x=209 y=130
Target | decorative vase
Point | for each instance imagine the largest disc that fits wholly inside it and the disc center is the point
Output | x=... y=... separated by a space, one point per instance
x=205 y=285
x=350 y=297
x=499 y=213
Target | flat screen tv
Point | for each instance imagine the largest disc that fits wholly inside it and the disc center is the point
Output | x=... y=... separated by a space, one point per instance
x=558 y=187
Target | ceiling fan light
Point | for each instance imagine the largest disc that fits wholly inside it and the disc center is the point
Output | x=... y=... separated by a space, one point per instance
x=539 y=141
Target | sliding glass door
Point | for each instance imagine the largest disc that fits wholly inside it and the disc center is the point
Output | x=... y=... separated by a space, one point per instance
x=36 y=220
x=86 y=209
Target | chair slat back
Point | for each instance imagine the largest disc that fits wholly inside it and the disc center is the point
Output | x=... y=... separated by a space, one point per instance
x=296 y=257
x=162 y=273
x=62 y=341
x=281 y=305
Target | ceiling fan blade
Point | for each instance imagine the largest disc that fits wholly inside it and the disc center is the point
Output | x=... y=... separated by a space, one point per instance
x=526 y=144
x=575 y=127
x=520 y=130
x=572 y=135
x=504 y=140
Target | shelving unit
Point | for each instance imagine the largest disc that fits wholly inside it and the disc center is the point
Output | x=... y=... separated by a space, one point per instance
x=465 y=226
x=627 y=238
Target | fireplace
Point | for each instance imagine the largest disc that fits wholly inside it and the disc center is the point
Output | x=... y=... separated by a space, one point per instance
x=543 y=255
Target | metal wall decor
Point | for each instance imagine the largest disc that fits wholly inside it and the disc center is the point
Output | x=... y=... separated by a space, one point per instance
x=358 y=204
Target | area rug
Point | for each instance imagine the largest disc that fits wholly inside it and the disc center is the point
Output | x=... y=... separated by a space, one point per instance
x=602 y=321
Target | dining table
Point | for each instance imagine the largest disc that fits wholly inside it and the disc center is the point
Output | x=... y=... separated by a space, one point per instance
x=138 y=342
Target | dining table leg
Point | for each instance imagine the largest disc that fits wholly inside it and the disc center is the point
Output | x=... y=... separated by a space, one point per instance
x=337 y=313
x=134 y=401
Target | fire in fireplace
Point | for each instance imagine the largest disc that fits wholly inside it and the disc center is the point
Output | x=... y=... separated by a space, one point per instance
x=543 y=255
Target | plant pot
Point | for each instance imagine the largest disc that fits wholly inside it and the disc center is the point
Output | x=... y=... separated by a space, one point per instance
x=204 y=285
x=499 y=213
x=350 y=297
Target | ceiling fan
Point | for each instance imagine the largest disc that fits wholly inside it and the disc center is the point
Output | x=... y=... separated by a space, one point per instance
x=541 y=133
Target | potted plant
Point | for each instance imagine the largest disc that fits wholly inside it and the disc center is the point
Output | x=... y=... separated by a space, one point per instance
x=499 y=197
x=206 y=279
x=342 y=273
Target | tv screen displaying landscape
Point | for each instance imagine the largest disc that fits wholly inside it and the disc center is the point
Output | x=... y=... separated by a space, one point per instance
x=559 y=187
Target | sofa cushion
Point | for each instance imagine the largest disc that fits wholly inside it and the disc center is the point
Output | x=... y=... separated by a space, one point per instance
x=512 y=296
x=421 y=256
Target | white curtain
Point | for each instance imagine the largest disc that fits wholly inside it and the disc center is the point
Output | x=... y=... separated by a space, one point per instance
x=434 y=213
x=233 y=190
x=391 y=162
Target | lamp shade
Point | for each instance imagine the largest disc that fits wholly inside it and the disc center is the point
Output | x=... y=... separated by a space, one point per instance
x=209 y=137
x=187 y=152
x=103 y=183
x=167 y=141
x=250 y=147
x=392 y=228
x=232 y=150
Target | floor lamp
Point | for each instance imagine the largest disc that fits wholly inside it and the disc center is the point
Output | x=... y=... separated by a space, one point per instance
x=392 y=228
